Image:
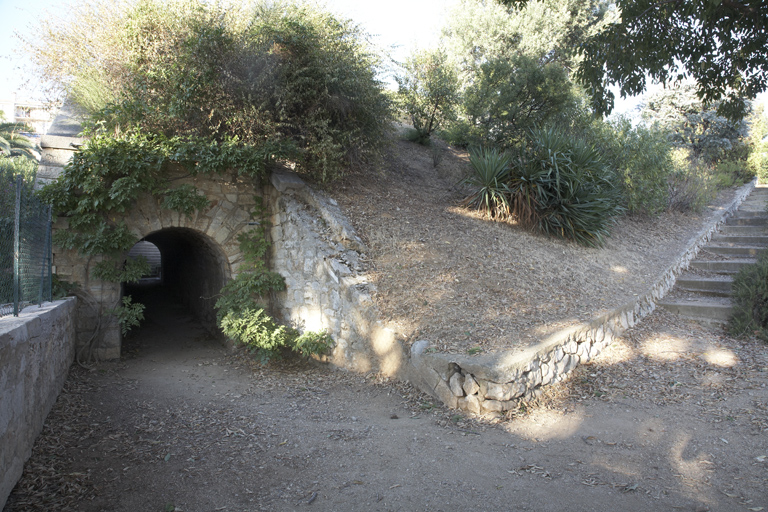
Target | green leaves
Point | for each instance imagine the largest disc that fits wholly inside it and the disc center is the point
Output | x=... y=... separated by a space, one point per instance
x=489 y=178
x=428 y=91
x=184 y=199
x=129 y=314
x=750 y=300
x=560 y=186
x=721 y=45
x=557 y=185
x=256 y=330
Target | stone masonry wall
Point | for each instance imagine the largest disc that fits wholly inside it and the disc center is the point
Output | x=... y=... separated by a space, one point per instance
x=492 y=383
x=318 y=253
x=36 y=351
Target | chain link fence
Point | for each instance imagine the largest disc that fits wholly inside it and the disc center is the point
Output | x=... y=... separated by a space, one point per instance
x=25 y=246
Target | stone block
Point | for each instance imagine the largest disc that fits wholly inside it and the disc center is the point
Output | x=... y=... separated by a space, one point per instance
x=444 y=393
x=470 y=386
x=504 y=392
x=470 y=404
x=456 y=382
x=493 y=406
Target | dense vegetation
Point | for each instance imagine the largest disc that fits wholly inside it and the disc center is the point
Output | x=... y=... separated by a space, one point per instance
x=517 y=92
x=720 y=45
x=214 y=88
x=211 y=89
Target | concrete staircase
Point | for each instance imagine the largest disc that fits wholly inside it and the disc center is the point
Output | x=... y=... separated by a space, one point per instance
x=703 y=291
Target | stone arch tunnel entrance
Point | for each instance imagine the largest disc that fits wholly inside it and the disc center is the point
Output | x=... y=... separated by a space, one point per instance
x=191 y=269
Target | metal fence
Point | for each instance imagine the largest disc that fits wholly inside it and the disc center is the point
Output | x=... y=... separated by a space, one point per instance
x=25 y=246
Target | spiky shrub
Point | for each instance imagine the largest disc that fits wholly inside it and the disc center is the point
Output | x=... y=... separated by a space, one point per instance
x=560 y=186
x=750 y=300
x=490 y=172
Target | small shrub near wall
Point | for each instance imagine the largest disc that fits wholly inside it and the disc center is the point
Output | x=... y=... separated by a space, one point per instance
x=750 y=300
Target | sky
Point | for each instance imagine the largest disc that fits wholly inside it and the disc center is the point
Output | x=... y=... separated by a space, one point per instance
x=399 y=25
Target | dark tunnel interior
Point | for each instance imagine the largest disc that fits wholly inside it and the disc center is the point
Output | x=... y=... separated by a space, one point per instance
x=191 y=271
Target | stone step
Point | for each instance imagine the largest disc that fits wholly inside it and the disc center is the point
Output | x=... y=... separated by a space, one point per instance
x=704 y=309
x=705 y=285
x=744 y=214
x=743 y=230
x=735 y=252
x=747 y=221
x=722 y=267
x=753 y=204
x=739 y=240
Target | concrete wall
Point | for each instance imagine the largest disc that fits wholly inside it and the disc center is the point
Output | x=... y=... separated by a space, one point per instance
x=36 y=351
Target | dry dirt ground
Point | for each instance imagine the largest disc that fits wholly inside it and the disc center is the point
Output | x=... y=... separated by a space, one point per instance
x=462 y=282
x=673 y=416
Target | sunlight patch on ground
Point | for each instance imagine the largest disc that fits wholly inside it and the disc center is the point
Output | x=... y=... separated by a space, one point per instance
x=665 y=348
x=619 y=269
x=548 y=425
x=690 y=469
x=720 y=357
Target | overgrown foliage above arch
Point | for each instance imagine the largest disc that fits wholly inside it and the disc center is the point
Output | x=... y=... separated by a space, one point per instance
x=266 y=72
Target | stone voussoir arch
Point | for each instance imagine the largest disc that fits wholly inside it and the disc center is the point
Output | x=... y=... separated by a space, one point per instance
x=208 y=237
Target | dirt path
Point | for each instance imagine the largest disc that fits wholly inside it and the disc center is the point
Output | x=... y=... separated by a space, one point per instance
x=672 y=417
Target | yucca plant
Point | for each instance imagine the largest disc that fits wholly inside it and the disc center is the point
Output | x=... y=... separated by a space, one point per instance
x=560 y=186
x=489 y=178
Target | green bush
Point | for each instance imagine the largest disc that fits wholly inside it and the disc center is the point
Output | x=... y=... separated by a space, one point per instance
x=489 y=179
x=559 y=185
x=462 y=134
x=689 y=190
x=729 y=173
x=428 y=92
x=258 y=73
x=641 y=157
x=258 y=331
x=750 y=300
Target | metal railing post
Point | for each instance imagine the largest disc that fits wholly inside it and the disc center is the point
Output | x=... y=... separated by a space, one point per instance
x=16 y=246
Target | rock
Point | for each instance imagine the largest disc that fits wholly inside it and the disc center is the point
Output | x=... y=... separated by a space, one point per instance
x=493 y=406
x=470 y=403
x=470 y=385
x=456 y=383
x=444 y=393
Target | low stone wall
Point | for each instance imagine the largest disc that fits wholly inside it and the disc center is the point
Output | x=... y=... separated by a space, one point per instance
x=492 y=383
x=317 y=252
x=36 y=351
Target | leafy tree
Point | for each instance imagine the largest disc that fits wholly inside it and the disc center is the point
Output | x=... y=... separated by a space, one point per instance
x=512 y=96
x=428 y=91
x=546 y=30
x=721 y=45
x=758 y=135
x=695 y=126
x=515 y=65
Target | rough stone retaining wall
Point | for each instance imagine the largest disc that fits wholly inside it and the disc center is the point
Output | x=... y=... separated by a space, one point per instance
x=492 y=383
x=36 y=351
x=317 y=252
